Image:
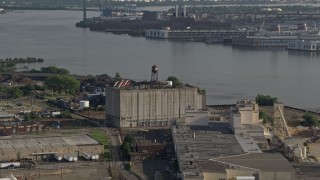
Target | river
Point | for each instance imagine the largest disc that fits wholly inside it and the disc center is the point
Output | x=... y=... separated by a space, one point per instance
x=227 y=73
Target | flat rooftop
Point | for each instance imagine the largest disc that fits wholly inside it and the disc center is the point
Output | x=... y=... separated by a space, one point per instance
x=247 y=143
x=195 y=146
x=127 y=84
x=14 y=144
x=258 y=161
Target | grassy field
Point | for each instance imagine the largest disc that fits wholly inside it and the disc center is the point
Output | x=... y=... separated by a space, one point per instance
x=101 y=137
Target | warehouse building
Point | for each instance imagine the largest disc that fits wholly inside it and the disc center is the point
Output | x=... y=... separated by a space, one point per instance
x=43 y=147
x=154 y=103
x=211 y=153
x=262 y=166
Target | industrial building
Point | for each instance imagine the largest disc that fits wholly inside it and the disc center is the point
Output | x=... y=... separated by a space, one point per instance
x=196 y=118
x=189 y=34
x=153 y=103
x=243 y=118
x=211 y=153
x=4 y=116
x=262 y=166
x=44 y=147
x=245 y=112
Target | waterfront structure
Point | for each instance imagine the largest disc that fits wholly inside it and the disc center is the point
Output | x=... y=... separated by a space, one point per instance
x=194 y=35
x=153 y=103
x=304 y=45
x=280 y=40
x=47 y=146
x=263 y=41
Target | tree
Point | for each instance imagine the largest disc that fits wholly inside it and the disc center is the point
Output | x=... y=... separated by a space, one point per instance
x=54 y=69
x=129 y=138
x=266 y=100
x=265 y=117
x=175 y=81
x=126 y=149
x=310 y=119
x=15 y=92
x=117 y=76
x=62 y=83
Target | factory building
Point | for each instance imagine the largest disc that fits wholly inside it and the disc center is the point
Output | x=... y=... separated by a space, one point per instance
x=262 y=166
x=211 y=153
x=153 y=103
x=245 y=112
x=12 y=149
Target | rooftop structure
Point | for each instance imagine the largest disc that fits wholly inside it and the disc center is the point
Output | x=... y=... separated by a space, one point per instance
x=29 y=147
x=196 y=118
x=246 y=112
x=264 y=162
x=194 y=148
x=247 y=143
x=205 y=153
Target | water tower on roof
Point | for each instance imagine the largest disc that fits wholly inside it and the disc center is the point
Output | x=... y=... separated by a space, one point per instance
x=154 y=73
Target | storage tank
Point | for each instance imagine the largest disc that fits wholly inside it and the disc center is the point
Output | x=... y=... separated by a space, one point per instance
x=87 y=156
x=58 y=157
x=93 y=156
x=84 y=104
x=9 y=164
x=68 y=157
x=97 y=156
x=75 y=158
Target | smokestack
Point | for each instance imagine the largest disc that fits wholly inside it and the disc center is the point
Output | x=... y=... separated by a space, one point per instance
x=279 y=29
x=194 y=135
x=84 y=8
x=305 y=152
x=177 y=11
x=185 y=11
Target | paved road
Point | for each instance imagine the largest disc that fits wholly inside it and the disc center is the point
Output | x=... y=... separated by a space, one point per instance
x=116 y=158
x=114 y=144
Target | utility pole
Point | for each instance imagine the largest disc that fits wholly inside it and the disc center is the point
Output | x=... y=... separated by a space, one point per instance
x=32 y=101
x=84 y=10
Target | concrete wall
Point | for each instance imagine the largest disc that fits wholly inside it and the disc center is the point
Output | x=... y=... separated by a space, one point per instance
x=235 y=120
x=113 y=105
x=150 y=107
x=246 y=117
x=197 y=118
x=232 y=173
x=276 y=176
x=214 y=176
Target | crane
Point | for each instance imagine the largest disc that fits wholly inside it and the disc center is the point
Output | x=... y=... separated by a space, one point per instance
x=262 y=24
